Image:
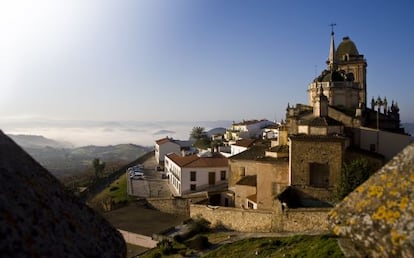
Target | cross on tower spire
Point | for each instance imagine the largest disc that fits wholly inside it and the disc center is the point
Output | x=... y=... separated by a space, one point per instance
x=332 y=28
x=331 y=59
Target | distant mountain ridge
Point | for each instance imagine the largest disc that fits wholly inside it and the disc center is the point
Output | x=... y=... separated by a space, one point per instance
x=60 y=159
x=37 y=141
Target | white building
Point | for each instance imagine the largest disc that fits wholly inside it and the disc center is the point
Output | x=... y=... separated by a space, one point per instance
x=271 y=131
x=168 y=145
x=241 y=145
x=195 y=173
x=247 y=129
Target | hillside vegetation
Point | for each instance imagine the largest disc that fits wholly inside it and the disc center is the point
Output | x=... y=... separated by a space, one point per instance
x=63 y=161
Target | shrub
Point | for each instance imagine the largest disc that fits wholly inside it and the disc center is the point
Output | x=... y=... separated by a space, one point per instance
x=199 y=243
x=166 y=247
x=178 y=238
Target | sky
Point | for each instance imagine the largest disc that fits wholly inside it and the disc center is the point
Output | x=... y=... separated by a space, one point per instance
x=190 y=60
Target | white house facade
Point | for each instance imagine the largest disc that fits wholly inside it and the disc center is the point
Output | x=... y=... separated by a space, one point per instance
x=193 y=173
x=247 y=129
x=168 y=145
x=241 y=145
x=163 y=147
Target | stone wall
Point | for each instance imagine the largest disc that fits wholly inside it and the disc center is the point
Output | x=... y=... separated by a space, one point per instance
x=174 y=205
x=305 y=219
x=137 y=239
x=305 y=151
x=246 y=220
x=272 y=177
x=234 y=218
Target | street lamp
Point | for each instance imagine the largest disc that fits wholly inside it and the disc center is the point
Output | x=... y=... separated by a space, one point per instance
x=379 y=104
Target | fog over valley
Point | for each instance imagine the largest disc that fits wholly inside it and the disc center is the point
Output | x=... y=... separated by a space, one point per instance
x=82 y=133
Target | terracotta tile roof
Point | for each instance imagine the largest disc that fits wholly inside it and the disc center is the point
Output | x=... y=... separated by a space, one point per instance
x=321 y=121
x=245 y=142
x=193 y=161
x=252 y=198
x=248 y=180
x=42 y=219
x=163 y=140
x=257 y=153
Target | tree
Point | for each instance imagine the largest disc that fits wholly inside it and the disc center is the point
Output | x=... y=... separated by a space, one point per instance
x=200 y=137
x=197 y=133
x=353 y=174
x=99 y=167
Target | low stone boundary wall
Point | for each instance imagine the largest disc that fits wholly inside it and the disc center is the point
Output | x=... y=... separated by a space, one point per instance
x=247 y=220
x=305 y=219
x=170 y=205
x=174 y=205
x=137 y=239
x=234 y=218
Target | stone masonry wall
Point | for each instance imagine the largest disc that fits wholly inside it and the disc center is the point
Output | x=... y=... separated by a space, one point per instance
x=173 y=205
x=309 y=219
x=272 y=177
x=294 y=220
x=170 y=205
x=234 y=218
x=306 y=152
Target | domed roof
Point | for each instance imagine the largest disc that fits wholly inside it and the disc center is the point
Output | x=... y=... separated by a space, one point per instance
x=347 y=46
x=330 y=76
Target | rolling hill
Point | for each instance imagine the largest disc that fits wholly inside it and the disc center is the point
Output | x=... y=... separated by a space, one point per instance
x=62 y=160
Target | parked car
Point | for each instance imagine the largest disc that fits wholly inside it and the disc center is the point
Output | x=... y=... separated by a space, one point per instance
x=136 y=173
x=137 y=177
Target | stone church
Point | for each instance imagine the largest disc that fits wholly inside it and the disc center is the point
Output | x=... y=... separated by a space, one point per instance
x=337 y=125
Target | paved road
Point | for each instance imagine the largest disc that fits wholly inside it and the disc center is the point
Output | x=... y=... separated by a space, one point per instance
x=152 y=185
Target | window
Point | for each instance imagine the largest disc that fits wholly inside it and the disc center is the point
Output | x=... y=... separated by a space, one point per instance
x=192 y=187
x=319 y=175
x=222 y=175
x=193 y=176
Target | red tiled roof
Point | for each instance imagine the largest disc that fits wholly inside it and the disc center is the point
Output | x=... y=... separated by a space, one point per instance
x=193 y=161
x=245 y=142
x=252 y=198
x=163 y=140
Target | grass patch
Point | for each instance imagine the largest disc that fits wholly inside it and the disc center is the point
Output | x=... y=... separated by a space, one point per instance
x=117 y=191
x=295 y=246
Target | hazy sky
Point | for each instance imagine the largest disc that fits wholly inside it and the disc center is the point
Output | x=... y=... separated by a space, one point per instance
x=190 y=59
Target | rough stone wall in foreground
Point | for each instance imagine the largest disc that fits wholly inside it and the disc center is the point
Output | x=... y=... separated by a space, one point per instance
x=379 y=215
x=39 y=218
x=276 y=220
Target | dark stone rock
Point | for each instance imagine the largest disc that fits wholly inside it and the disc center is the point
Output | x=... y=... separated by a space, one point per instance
x=40 y=219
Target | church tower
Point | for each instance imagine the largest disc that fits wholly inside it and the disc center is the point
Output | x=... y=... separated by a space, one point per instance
x=338 y=81
x=349 y=60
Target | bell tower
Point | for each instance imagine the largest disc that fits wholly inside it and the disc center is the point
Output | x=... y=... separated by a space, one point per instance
x=349 y=60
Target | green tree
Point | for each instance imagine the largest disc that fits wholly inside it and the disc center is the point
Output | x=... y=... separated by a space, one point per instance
x=353 y=174
x=197 y=133
x=200 y=137
x=99 y=167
